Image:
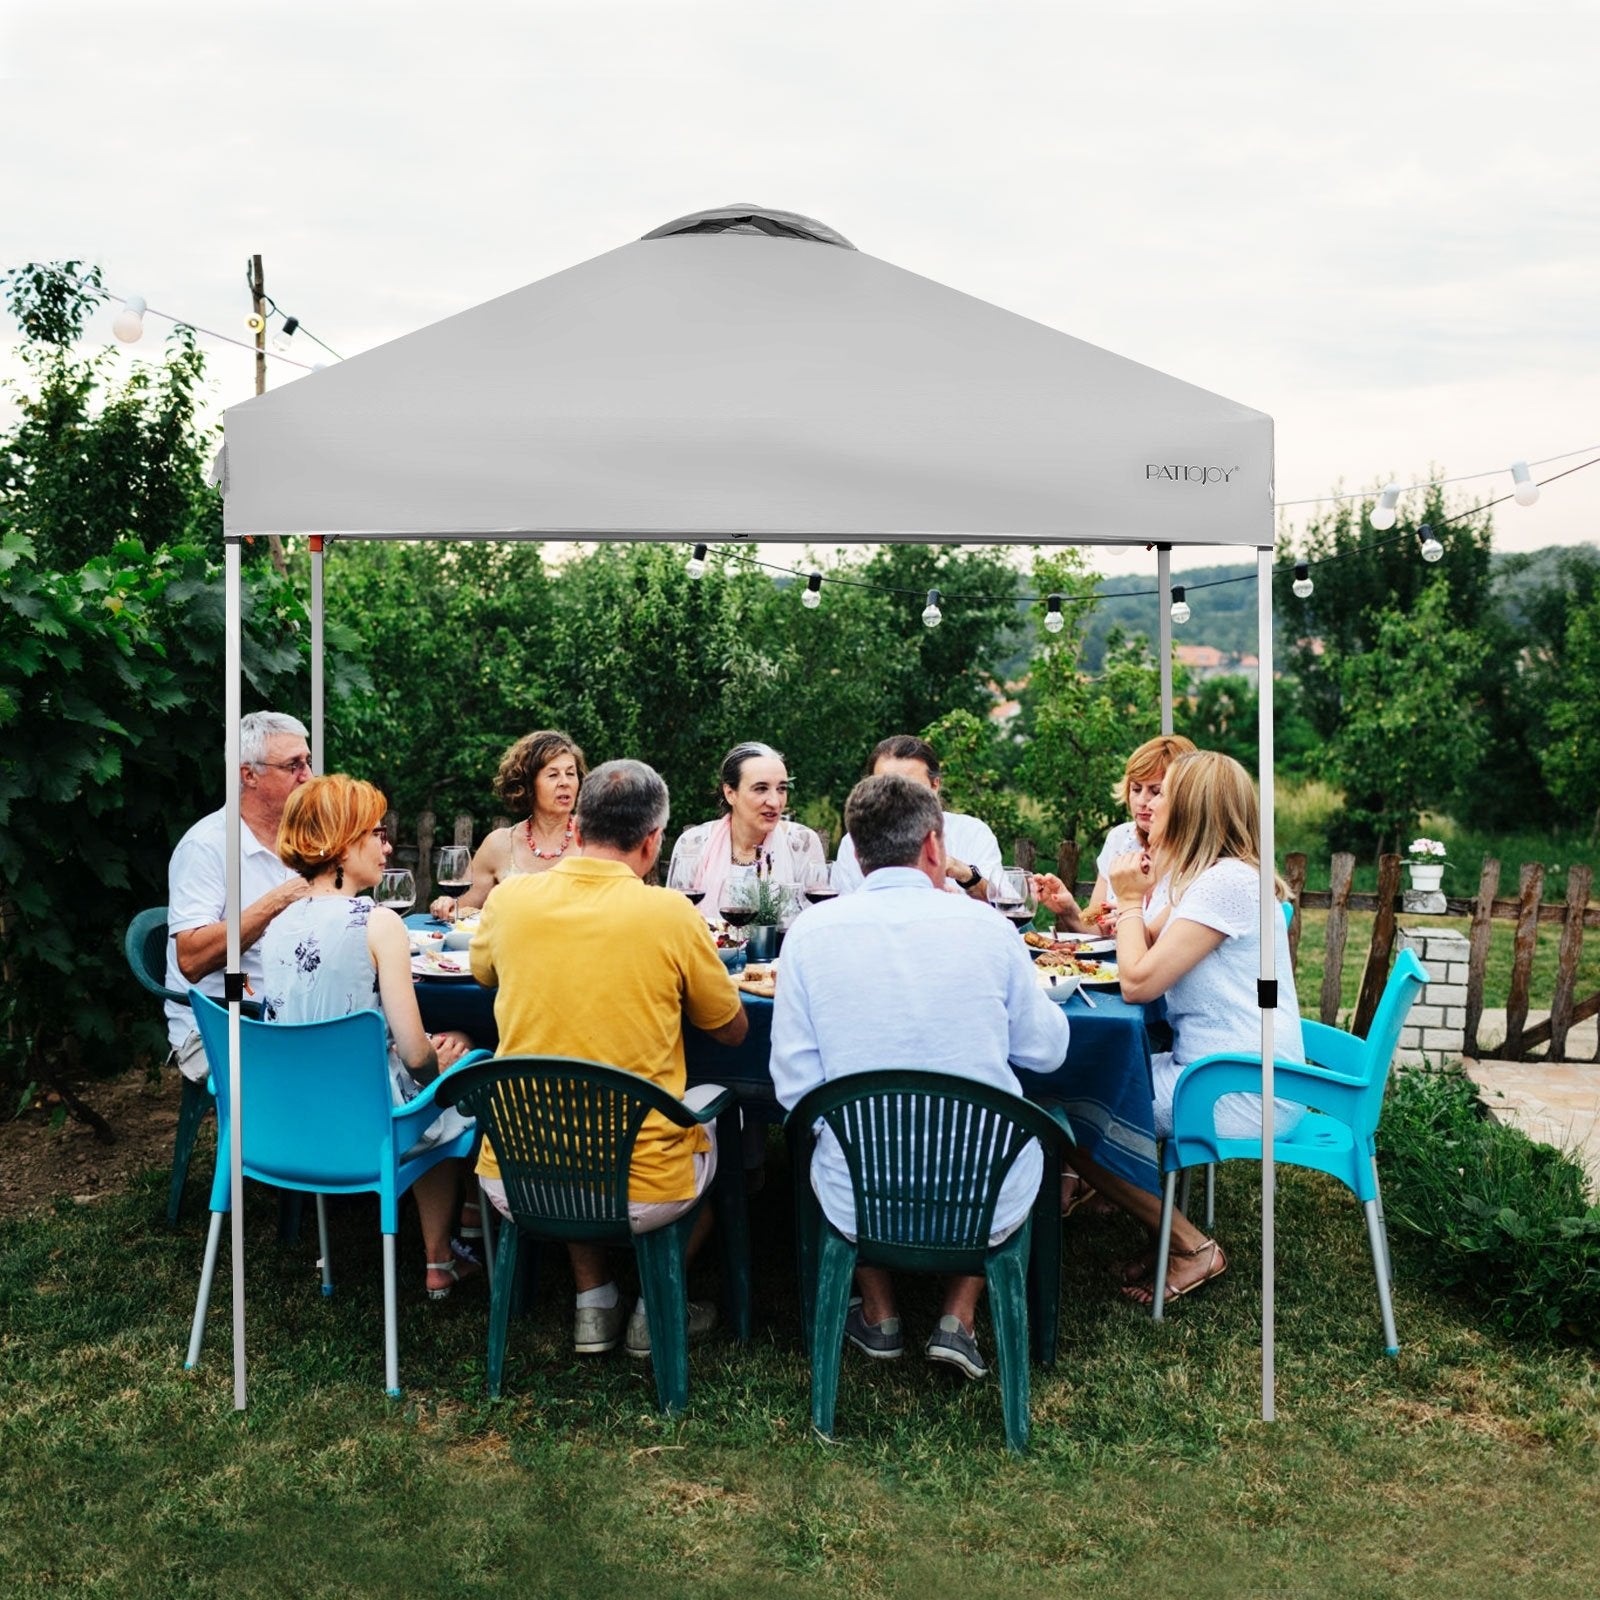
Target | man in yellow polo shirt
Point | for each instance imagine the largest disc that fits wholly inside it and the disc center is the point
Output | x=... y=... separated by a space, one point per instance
x=593 y=962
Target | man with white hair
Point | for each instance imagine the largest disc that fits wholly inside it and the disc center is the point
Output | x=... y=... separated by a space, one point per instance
x=274 y=760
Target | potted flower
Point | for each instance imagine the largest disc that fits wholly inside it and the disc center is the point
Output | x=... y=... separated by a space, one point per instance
x=1425 y=863
x=771 y=907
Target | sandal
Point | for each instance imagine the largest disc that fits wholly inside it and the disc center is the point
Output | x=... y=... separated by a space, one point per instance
x=1143 y=1294
x=455 y=1269
x=1136 y=1269
x=1076 y=1190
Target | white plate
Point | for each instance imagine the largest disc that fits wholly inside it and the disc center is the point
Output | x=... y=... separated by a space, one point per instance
x=450 y=965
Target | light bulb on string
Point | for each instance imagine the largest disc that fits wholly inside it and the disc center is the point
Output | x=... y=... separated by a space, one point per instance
x=1054 y=622
x=280 y=340
x=128 y=324
x=1383 y=514
x=811 y=596
x=1180 y=607
x=1524 y=490
x=695 y=567
x=1432 y=550
x=1302 y=581
x=932 y=616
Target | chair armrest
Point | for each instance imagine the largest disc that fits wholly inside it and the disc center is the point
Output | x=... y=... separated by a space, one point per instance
x=1202 y=1083
x=1334 y=1048
x=712 y=1109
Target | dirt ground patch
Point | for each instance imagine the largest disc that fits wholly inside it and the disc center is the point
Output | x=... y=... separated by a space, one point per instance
x=39 y=1163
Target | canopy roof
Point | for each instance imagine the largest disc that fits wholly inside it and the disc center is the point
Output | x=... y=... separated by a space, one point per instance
x=747 y=373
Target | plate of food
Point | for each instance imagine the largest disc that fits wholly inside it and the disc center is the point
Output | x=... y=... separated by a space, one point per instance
x=1091 y=972
x=1081 y=944
x=441 y=964
x=761 y=981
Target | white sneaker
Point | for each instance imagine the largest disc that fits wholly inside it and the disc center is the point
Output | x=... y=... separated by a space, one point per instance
x=702 y=1319
x=596 y=1329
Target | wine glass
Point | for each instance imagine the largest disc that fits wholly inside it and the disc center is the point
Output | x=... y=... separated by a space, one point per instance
x=683 y=874
x=738 y=907
x=1011 y=894
x=397 y=889
x=820 y=884
x=452 y=869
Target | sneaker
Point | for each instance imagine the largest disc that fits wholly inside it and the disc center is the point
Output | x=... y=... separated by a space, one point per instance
x=951 y=1343
x=596 y=1329
x=880 y=1340
x=702 y=1319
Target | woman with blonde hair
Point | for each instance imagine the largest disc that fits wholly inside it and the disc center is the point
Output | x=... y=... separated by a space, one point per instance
x=338 y=953
x=539 y=779
x=1137 y=789
x=1198 y=943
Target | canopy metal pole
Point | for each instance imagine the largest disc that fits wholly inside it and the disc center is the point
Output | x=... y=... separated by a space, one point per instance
x=1164 y=630
x=233 y=975
x=1271 y=922
x=316 y=653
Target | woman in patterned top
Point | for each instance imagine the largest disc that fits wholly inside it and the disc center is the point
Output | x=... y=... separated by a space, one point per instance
x=341 y=953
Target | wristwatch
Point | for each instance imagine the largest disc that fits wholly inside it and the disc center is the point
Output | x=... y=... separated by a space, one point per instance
x=972 y=882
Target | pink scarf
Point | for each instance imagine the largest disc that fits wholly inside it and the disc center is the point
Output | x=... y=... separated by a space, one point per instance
x=716 y=863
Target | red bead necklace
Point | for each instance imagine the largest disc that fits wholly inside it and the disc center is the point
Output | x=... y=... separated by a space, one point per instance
x=548 y=855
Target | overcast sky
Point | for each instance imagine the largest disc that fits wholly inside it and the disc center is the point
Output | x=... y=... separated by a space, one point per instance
x=1378 y=224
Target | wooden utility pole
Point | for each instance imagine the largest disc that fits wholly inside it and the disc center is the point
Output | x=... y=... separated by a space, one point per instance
x=258 y=293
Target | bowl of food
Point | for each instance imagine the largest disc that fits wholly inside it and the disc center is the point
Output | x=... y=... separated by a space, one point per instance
x=422 y=942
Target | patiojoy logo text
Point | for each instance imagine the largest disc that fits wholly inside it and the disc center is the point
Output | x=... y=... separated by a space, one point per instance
x=1180 y=474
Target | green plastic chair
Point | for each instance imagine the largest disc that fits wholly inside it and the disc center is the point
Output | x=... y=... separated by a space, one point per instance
x=145 y=945
x=933 y=1216
x=563 y=1132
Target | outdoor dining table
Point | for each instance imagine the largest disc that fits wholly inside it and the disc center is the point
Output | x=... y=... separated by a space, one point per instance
x=1104 y=1084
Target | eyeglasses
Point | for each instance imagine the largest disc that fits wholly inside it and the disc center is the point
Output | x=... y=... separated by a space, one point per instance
x=381 y=834
x=299 y=764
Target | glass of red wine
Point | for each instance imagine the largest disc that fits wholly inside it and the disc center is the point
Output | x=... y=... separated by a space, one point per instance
x=738 y=907
x=684 y=875
x=820 y=884
x=1011 y=894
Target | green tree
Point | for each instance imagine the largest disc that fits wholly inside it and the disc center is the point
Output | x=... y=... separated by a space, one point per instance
x=1409 y=724
x=1078 y=729
x=1570 y=755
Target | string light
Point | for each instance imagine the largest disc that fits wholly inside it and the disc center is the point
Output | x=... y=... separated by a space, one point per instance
x=1383 y=514
x=1524 y=491
x=1180 y=606
x=932 y=616
x=1432 y=550
x=1302 y=581
x=128 y=324
x=280 y=340
x=811 y=597
x=695 y=567
x=1054 y=622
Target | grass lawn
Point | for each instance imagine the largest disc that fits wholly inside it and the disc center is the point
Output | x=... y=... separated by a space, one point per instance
x=1468 y=1465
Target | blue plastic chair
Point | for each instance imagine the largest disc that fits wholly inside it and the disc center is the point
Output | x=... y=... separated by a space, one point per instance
x=1343 y=1082
x=145 y=946
x=318 y=1118
x=563 y=1132
x=935 y=1215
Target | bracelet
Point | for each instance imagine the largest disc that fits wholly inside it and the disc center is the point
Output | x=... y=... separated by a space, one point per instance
x=1122 y=916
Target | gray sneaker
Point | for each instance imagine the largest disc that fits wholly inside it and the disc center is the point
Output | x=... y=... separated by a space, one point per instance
x=702 y=1319
x=951 y=1343
x=597 y=1329
x=880 y=1340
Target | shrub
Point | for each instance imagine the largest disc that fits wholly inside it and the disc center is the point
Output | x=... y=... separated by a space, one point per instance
x=1508 y=1219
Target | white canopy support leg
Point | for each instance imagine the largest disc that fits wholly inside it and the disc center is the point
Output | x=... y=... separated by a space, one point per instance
x=233 y=974
x=316 y=654
x=1164 y=630
x=1271 y=920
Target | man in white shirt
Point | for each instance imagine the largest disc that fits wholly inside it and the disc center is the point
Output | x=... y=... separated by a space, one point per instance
x=274 y=759
x=972 y=853
x=903 y=975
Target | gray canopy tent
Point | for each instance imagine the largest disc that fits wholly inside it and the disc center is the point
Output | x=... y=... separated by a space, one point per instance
x=745 y=374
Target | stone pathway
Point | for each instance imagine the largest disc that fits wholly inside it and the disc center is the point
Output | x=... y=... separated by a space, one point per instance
x=1556 y=1102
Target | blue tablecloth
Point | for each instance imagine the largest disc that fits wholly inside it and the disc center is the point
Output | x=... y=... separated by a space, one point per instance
x=1104 y=1084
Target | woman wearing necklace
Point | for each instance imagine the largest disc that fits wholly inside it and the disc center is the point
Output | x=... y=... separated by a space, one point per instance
x=752 y=835
x=540 y=775
x=340 y=953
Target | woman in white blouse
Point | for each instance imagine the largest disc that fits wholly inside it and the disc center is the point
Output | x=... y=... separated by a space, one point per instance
x=1140 y=784
x=1198 y=942
x=751 y=836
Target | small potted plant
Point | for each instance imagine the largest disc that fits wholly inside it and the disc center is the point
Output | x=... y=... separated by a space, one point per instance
x=766 y=907
x=1425 y=863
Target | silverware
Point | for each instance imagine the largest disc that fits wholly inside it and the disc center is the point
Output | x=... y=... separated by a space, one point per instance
x=1087 y=998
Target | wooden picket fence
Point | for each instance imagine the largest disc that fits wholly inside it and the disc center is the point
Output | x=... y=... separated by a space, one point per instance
x=1526 y=910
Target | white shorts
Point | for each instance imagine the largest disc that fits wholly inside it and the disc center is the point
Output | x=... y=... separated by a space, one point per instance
x=190 y=1057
